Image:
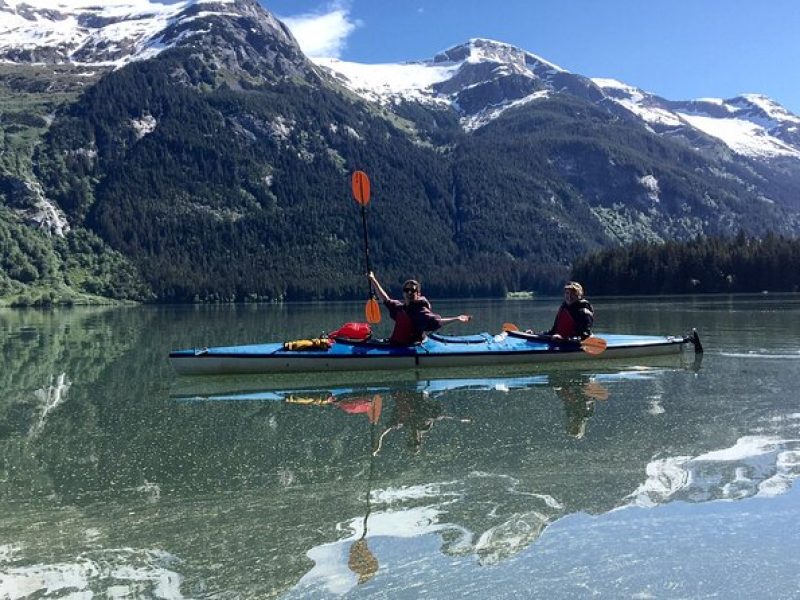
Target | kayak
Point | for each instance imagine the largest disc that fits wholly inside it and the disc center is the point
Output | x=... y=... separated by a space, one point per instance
x=507 y=348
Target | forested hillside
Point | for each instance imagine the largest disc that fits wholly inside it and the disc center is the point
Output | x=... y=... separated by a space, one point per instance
x=702 y=265
x=219 y=171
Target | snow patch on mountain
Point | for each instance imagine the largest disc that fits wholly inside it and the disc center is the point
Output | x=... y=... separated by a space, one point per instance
x=473 y=122
x=751 y=124
x=146 y=124
x=771 y=109
x=742 y=136
x=390 y=82
x=451 y=73
x=114 y=32
x=637 y=102
x=650 y=184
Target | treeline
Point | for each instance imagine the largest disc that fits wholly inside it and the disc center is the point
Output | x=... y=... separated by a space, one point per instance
x=704 y=265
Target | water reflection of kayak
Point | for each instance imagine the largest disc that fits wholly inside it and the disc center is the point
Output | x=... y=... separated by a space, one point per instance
x=436 y=351
x=592 y=388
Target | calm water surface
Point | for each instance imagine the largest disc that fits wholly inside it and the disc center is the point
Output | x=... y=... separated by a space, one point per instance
x=612 y=479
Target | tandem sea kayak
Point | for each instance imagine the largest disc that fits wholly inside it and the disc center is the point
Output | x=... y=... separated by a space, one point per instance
x=507 y=348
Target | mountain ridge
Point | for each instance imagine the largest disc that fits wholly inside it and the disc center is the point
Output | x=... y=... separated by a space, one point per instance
x=762 y=128
x=217 y=170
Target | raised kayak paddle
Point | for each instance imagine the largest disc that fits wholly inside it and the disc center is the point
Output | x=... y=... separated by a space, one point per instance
x=361 y=191
x=591 y=345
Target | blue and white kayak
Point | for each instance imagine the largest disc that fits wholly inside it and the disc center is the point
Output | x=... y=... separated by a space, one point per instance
x=436 y=351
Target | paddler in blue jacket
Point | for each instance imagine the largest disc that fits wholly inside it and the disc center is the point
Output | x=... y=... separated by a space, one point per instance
x=413 y=316
x=575 y=316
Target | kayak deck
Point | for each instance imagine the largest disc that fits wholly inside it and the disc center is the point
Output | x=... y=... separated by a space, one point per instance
x=435 y=351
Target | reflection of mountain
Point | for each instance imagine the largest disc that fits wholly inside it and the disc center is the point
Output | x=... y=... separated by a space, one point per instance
x=755 y=466
x=243 y=494
x=45 y=357
x=134 y=573
x=515 y=517
x=39 y=345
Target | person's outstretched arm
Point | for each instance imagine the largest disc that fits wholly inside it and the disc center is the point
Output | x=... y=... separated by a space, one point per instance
x=380 y=291
x=460 y=318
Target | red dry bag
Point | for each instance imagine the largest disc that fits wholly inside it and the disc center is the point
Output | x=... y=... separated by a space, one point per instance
x=352 y=331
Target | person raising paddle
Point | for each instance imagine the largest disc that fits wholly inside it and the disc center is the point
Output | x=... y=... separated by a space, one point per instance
x=575 y=316
x=413 y=316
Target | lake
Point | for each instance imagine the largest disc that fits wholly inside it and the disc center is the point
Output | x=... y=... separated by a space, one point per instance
x=668 y=478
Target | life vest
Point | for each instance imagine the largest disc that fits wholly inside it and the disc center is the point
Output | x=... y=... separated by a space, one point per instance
x=404 y=333
x=565 y=324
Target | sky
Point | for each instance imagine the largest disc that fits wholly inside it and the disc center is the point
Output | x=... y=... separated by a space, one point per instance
x=678 y=49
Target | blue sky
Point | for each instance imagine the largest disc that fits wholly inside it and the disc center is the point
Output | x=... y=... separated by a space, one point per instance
x=679 y=49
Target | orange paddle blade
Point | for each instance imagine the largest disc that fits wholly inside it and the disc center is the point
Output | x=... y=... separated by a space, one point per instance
x=510 y=327
x=594 y=345
x=360 y=183
x=372 y=311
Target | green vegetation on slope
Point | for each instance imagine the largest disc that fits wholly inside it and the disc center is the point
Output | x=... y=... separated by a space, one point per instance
x=703 y=265
x=37 y=269
x=213 y=189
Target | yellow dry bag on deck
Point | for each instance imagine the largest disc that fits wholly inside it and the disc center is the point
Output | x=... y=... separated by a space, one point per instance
x=312 y=344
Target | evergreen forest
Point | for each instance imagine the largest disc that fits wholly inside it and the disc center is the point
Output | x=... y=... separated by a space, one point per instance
x=741 y=264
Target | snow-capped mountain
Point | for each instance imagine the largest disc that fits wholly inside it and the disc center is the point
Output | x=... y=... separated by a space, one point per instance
x=483 y=78
x=113 y=32
x=206 y=116
x=751 y=124
x=480 y=79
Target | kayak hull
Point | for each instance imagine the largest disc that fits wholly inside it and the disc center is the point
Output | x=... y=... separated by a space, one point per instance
x=434 y=352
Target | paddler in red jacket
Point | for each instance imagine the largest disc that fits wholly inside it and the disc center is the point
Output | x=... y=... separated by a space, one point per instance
x=575 y=316
x=413 y=316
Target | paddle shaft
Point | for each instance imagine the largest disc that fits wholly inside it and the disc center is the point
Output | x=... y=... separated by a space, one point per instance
x=366 y=247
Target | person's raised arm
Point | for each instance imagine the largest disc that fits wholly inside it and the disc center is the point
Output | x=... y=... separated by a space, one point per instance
x=378 y=289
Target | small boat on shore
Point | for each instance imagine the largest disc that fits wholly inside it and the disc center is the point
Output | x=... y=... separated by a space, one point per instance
x=506 y=348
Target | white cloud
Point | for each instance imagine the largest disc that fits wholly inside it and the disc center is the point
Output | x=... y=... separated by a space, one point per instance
x=323 y=33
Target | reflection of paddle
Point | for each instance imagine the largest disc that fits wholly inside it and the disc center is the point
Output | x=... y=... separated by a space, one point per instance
x=591 y=345
x=370 y=407
x=360 y=560
x=360 y=185
x=594 y=390
x=375 y=407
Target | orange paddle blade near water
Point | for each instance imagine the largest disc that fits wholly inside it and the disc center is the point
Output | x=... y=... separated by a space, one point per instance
x=372 y=311
x=594 y=345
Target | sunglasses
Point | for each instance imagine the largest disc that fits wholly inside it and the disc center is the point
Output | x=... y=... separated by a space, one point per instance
x=409 y=290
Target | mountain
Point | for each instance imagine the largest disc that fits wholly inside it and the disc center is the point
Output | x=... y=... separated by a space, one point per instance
x=117 y=32
x=751 y=125
x=483 y=78
x=190 y=151
x=478 y=80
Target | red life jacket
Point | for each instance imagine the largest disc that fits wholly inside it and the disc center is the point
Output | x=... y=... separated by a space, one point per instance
x=565 y=324
x=404 y=333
